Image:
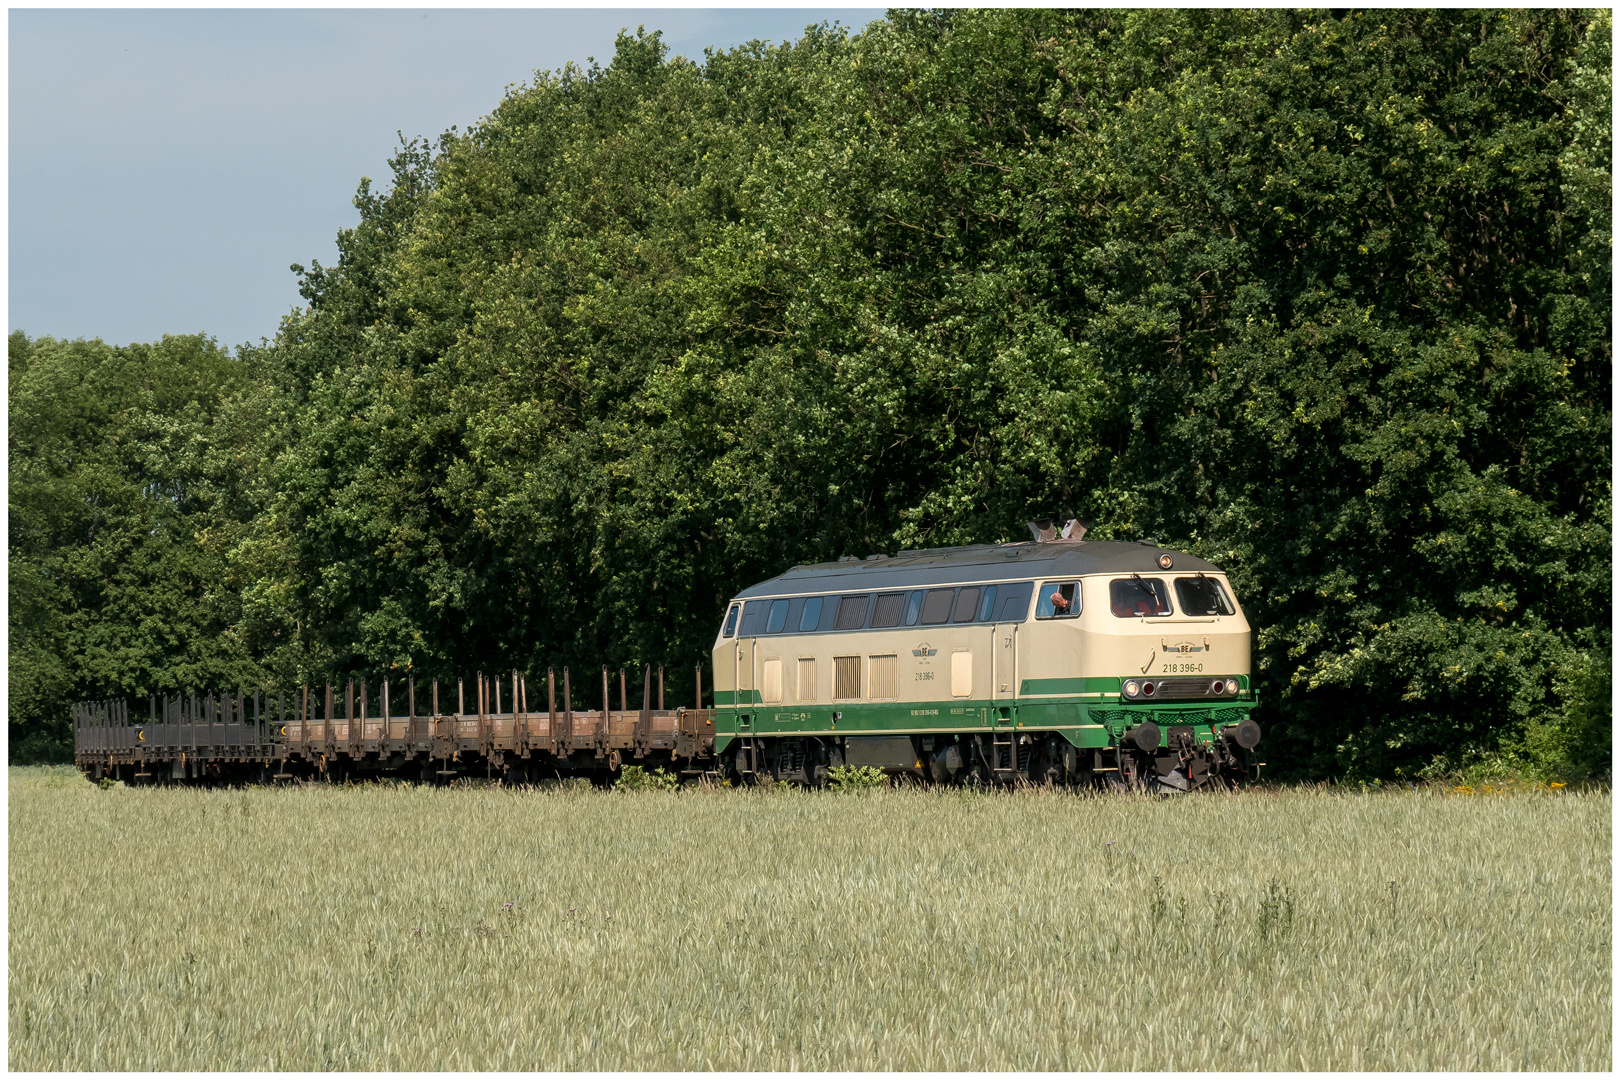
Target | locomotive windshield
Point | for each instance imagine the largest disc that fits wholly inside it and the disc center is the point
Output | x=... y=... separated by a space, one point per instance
x=1135 y=596
x=1203 y=596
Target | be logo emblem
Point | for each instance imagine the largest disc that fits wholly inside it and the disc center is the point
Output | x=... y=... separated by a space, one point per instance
x=923 y=650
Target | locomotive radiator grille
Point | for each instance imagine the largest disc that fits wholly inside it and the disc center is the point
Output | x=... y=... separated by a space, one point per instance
x=1181 y=689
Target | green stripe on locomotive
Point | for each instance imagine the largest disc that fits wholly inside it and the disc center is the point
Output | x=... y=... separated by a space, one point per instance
x=1088 y=725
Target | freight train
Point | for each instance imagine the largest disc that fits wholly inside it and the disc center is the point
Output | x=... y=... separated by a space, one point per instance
x=1050 y=661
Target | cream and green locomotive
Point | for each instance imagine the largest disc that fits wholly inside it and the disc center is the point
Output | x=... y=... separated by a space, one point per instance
x=1062 y=661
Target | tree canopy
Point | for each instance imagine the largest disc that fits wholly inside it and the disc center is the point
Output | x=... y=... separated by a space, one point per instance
x=1322 y=297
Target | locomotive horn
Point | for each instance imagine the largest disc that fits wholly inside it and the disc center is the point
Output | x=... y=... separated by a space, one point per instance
x=1146 y=737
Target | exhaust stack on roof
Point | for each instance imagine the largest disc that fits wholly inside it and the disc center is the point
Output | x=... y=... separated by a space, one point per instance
x=1045 y=530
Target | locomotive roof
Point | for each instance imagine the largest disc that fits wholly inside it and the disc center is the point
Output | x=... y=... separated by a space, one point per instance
x=979 y=562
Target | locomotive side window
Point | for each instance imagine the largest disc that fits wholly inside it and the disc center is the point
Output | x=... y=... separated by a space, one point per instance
x=1203 y=596
x=1059 y=600
x=852 y=611
x=1015 y=605
x=753 y=619
x=967 y=605
x=778 y=617
x=731 y=621
x=1135 y=596
x=988 y=604
x=914 y=608
x=888 y=609
x=936 y=607
x=812 y=615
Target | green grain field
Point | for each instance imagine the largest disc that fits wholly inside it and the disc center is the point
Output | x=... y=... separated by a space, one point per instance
x=413 y=928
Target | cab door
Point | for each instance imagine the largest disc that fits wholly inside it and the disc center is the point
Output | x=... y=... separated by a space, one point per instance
x=745 y=680
x=1004 y=676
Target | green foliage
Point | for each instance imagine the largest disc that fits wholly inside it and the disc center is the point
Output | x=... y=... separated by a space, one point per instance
x=1324 y=298
x=130 y=486
x=855 y=778
x=637 y=778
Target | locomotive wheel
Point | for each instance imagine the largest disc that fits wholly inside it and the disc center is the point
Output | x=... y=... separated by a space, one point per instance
x=1046 y=766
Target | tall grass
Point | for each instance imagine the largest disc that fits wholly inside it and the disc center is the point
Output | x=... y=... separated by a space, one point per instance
x=413 y=928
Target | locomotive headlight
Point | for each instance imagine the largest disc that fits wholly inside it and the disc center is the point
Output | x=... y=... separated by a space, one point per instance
x=1231 y=686
x=1131 y=688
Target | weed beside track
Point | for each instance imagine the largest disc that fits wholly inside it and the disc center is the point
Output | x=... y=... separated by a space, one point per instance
x=380 y=927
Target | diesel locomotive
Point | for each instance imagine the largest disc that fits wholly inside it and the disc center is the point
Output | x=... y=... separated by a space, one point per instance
x=1054 y=660
x=1050 y=661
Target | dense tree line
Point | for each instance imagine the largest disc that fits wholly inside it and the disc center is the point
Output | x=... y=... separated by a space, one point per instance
x=1322 y=297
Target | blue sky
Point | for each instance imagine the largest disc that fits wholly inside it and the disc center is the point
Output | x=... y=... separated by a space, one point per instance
x=167 y=165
